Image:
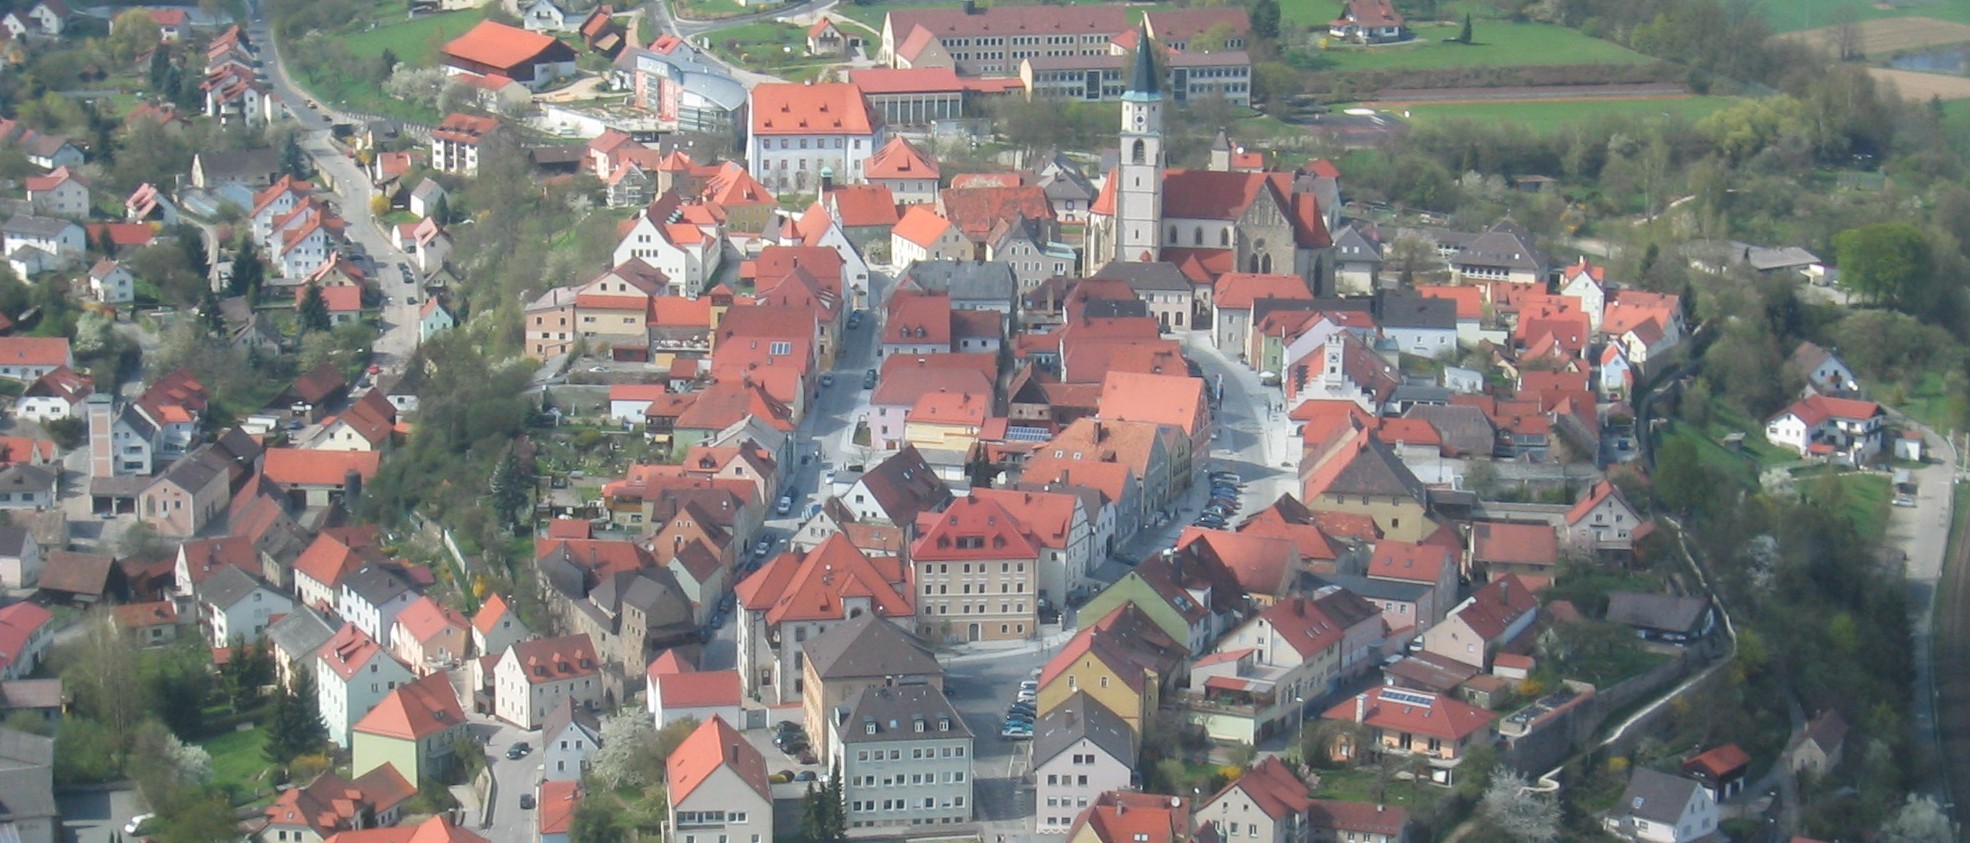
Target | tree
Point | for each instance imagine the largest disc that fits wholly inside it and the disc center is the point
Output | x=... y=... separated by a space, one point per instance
x=1845 y=23
x=1520 y=814
x=313 y=315
x=209 y=316
x=1213 y=38
x=293 y=161
x=1265 y=19
x=821 y=814
x=441 y=211
x=248 y=272
x=191 y=239
x=507 y=492
x=295 y=727
x=99 y=668
x=160 y=65
x=132 y=32
x=1887 y=262
x=1918 y=820
x=619 y=760
x=595 y=823
x=1464 y=35
x=1410 y=255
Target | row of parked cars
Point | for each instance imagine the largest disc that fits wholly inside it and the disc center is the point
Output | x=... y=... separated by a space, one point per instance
x=1019 y=716
x=791 y=738
x=1225 y=487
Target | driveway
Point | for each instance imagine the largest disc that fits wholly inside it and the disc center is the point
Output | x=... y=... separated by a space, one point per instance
x=94 y=816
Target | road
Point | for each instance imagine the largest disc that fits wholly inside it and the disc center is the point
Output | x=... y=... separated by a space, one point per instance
x=351 y=196
x=661 y=19
x=510 y=822
x=1939 y=598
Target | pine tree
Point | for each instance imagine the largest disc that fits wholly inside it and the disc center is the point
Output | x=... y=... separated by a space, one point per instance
x=292 y=161
x=813 y=819
x=836 y=825
x=441 y=211
x=295 y=727
x=314 y=310
x=160 y=62
x=192 y=240
x=105 y=242
x=507 y=490
x=1265 y=18
x=210 y=317
x=1464 y=36
x=248 y=272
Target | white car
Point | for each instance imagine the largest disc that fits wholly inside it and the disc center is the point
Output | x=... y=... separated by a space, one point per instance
x=137 y=823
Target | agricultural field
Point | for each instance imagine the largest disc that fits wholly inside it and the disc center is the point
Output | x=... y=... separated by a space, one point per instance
x=414 y=41
x=1917 y=86
x=1551 y=115
x=1494 y=43
x=1797 y=15
x=1884 y=37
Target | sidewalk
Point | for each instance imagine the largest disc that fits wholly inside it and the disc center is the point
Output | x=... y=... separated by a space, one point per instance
x=981 y=650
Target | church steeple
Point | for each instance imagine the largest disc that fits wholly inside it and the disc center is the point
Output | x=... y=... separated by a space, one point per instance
x=1139 y=196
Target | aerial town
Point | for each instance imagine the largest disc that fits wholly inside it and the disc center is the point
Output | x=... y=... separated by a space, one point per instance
x=1183 y=421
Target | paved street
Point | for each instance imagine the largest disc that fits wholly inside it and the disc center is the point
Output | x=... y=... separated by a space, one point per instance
x=510 y=823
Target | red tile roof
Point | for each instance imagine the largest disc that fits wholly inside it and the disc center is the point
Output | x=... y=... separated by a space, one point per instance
x=1263 y=564
x=1272 y=787
x=863 y=205
x=544 y=660
x=1433 y=716
x=1814 y=409
x=348 y=650
x=141 y=615
x=433 y=830
x=416 y=710
x=465 y=128
x=922 y=225
x=1514 y=544
x=1120 y=816
x=699 y=690
x=34 y=351
x=425 y=619
x=1358 y=818
x=971 y=529
x=1240 y=290
x=816 y=585
x=490 y=612
x=1492 y=610
x=977 y=210
x=900 y=159
x=18 y=624
x=715 y=744
x=498 y=45
x=298 y=467
x=1400 y=560
x=1176 y=400
x=912 y=80
x=825 y=108
x=1719 y=763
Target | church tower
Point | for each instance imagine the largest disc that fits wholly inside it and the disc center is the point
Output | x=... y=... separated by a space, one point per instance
x=1139 y=196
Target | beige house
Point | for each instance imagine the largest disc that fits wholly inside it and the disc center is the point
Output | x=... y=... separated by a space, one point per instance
x=1266 y=805
x=429 y=636
x=718 y=791
x=978 y=575
x=1410 y=723
x=533 y=675
x=865 y=652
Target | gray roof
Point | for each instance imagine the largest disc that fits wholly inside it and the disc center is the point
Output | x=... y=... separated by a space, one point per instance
x=13 y=541
x=1464 y=428
x=1401 y=310
x=32 y=226
x=1656 y=797
x=565 y=713
x=378 y=584
x=31 y=693
x=239 y=165
x=1352 y=243
x=195 y=470
x=1062 y=179
x=1375 y=470
x=227 y=586
x=868 y=646
x=427 y=190
x=1374 y=589
x=1656 y=611
x=696 y=77
x=1160 y=276
x=1505 y=244
x=21 y=477
x=301 y=631
x=990 y=281
x=1419 y=394
x=899 y=713
x=1081 y=716
x=27 y=783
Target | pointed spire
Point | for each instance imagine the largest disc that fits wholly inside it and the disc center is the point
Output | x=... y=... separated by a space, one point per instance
x=1143 y=80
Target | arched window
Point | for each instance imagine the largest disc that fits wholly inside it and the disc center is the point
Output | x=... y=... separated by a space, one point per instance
x=1265 y=263
x=1138 y=154
x=1197 y=237
x=1224 y=236
x=1173 y=235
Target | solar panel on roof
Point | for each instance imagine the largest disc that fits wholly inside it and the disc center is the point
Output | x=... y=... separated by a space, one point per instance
x=1398 y=695
x=1027 y=434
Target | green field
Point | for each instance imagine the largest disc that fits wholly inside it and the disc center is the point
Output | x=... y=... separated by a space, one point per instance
x=237 y=760
x=1795 y=15
x=1550 y=116
x=1861 y=498
x=413 y=41
x=1493 y=44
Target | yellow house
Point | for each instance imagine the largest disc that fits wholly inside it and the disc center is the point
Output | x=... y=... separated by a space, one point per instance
x=1362 y=476
x=1125 y=661
x=413 y=728
x=946 y=421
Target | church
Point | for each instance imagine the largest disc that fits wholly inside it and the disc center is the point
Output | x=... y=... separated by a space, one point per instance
x=1206 y=222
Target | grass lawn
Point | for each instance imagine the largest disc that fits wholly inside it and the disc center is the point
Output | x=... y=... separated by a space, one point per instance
x=1739 y=466
x=237 y=760
x=1551 y=116
x=710 y=9
x=1795 y=15
x=415 y=41
x=1495 y=43
x=1361 y=786
x=1862 y=498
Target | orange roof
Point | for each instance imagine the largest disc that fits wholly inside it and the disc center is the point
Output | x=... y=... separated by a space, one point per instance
x=1165 y=399
x=1518 y=544
x=1120 y=816
x=558 y=801
x=1263 y=564
x=950 y=408
x=465 y=128
x=1414 y=712
x=699 y=690
x=922 y=225
x=863 y=205
x=1470 y=300
x=713 y=745
x=335 y=554
x=1719 y=762
x=1400 y=560
x=415 y=710
x=434 y=830
x=140 y=615
x=1240 y=290
x=489 y=614
x=1814 y=409
x=544 y=660
x=426 y=618
x=34 y=351
x=298 y=467
x=497 y=45
x=900 y=159
x=825 y=108
x=817 y=584
x=348 y=650
x=949 y=534
x=1600 y=492
x=1273 y=787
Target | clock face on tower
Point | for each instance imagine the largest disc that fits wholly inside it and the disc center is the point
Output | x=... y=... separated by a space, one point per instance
x=1138 y=121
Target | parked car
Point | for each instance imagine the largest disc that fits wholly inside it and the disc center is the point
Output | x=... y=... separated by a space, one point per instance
x=828 y=380
x=869 y=379
x=518 y=750
x=804 y=776
x=526 y=801
x=784 y=506
x=781 y=777
x=1013 y=733
x=854 y=319
x=759 y=548
x=136 y=824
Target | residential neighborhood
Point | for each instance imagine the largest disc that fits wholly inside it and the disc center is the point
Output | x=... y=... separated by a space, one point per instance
x=739 y=422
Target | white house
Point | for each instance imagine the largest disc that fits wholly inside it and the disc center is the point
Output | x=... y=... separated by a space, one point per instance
x=924 y=235
x=1829 y=428
x=534 y=675
x=1824 y=372
x=543 y=16
x=1661 y=808
x=685 y=252
x=495 y=627
x=372 y=596
x=430 y=245
x=27 y=632
x=1604 y=519
x=905 y=757
x=61 y=193
x=717 y=786
x=352 y=674
x=568 y=738
x=803 y=132
x=24 y=486
x=1586 y=283
x=234 y=606
x=110 y=283
x=301 y=249
x=29 y=358
x=21 y=560
x=1080 y=750
x=51 y=16
x=55 y=395
x=60 y=238
x=433 y=319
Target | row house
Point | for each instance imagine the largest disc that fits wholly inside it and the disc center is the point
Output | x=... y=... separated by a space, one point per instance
x=905 y=758
x=1081 y=750
x=977 y=571
x=865 y=652
x=1123 y=662
x=1262 y=677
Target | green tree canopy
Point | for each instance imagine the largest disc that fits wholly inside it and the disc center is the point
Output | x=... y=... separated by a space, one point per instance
x=1887 y=262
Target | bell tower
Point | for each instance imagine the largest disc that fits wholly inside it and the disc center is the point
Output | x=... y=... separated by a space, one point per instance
x=1139 y=196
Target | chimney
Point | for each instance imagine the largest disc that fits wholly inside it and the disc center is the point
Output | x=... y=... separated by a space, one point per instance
x=1360 y=707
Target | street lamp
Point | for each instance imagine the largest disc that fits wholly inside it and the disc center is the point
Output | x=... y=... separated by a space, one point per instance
x=1299 y=732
